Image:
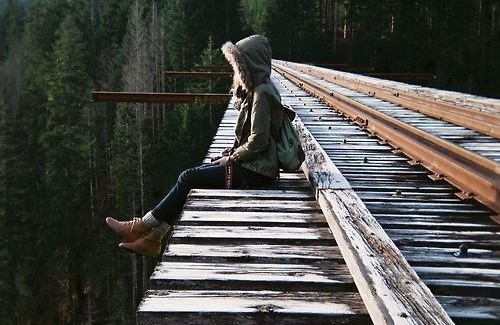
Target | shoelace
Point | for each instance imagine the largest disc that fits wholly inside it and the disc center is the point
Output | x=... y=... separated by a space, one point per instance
x=133 y=222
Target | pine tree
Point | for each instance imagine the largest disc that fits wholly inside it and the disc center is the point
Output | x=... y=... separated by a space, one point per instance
x=63 y=231
x=256 y=14
x=11 y=26
x=25 y=118
x=6 y=286
x=189 y=24
x=138 y=75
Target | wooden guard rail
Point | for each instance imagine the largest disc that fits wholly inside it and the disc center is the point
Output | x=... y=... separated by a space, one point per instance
x=391 y=290
x=213 y=68
x=197 y=74
x=173 y=98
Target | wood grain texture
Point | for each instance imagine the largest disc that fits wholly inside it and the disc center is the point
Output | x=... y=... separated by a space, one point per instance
x=253 y=218
x=257 y=253
x=250 y=307
x=319 y=169
x=259 y=256
x=390 y=288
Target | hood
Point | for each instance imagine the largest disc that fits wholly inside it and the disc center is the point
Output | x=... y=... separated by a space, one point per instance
x=250 y=59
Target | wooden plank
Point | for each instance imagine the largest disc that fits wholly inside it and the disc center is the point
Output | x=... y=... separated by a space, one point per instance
x=198 y=74
x=251 y=307
x=244 y=252
x=253 y=233
x=319 y=169
x=213 y=68
x=448 y=239
x=275 y=194
x=252 y=205
x=144 y=97
x=389 y=287
x=432 y=256
x=431 y=223
x=471 y=309
x=477 y=277
x=272 y=276
x=474 y=235
x=253 y=218
x=462 y=287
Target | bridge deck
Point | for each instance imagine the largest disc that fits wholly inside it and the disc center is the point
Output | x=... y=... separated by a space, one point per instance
x=252 y=256
x=267 y=256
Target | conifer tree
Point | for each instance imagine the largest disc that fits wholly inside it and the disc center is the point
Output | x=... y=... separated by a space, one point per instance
x=63 y=230
x=6 y=287
x=23 y=169
x=130 y=174
x=11 y=26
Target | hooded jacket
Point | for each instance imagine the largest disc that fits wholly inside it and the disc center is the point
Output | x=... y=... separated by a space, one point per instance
x=259 y=105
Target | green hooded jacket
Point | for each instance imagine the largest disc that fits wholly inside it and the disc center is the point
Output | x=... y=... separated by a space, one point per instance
x=259 y=105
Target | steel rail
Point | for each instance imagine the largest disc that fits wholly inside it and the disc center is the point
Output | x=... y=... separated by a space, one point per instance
x=476 y=176
x=174 y=98
x=476 y=120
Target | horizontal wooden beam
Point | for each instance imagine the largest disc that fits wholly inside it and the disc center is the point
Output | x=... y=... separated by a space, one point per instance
x=198 y=74
x=213 y=68
x=391 y=290
x=173 y=98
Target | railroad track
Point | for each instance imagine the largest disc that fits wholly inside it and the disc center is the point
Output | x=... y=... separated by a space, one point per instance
x=441 y=140
x=451 y=243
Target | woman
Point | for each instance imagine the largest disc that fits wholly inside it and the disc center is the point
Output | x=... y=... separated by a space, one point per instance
x=251 y=162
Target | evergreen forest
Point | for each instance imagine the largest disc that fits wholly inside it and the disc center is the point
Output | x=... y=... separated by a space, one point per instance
x=67 y=162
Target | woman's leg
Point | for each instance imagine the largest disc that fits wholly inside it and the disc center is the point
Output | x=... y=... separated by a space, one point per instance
x=144 y=235
x=205 y=176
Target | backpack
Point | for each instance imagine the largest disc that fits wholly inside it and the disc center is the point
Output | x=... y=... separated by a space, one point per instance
x=288 y=147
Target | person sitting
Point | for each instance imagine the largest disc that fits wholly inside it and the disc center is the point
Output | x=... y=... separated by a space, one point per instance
x=250 y=162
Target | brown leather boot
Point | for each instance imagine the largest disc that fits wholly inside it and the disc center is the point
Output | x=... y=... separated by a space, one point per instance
x=130 y=231
x=149 y=244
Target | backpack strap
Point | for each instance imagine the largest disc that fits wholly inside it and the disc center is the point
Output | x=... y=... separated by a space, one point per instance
x=289 y=111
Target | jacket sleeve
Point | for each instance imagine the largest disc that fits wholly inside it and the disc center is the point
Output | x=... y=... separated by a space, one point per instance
x=260 y=124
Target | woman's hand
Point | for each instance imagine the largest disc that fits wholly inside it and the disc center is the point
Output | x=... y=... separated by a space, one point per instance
x=222 y=161
x=226 y=152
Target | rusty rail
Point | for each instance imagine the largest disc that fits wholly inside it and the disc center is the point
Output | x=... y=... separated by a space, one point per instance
x=198 y=74
x=173 y=98
x=213 y=68
x=479 y=121
x=476 y=176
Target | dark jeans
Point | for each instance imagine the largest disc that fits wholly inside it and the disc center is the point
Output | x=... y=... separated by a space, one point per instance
x=204 y=176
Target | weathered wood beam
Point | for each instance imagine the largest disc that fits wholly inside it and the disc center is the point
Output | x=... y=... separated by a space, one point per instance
x=213 y=68
x=173 y=98
x=198 y=74
x=391 y=290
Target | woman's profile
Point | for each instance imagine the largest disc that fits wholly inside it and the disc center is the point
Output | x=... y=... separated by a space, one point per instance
x=250 y=162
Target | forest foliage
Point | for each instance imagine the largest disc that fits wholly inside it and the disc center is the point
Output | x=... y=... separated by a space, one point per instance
x=66 y=162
